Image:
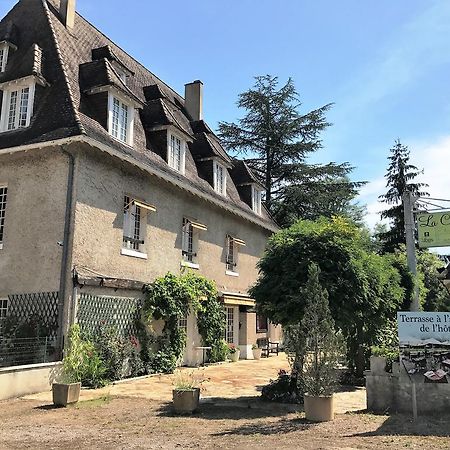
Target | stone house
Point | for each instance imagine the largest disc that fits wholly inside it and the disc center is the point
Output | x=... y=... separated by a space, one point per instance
x=109 y=178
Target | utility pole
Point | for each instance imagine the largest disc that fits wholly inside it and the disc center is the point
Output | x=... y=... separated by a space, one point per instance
x=408 y=204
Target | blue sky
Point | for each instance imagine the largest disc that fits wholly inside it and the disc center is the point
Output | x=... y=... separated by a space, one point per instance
x=384 y=64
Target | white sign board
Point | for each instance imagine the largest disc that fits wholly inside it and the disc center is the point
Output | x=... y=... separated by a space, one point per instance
x=423 y=328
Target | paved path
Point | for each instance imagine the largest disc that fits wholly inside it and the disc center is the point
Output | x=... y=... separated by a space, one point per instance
x=228 y=381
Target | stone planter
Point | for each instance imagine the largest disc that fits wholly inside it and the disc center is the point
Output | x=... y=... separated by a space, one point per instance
x=319 y=409
x=257 y=353
x=65 y=393
x=377 y=365
x=185 y=402
x=235 y=356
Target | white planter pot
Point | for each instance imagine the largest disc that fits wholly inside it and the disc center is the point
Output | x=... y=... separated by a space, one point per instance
x=257 y=352
x=319 y=409
x=235 y=356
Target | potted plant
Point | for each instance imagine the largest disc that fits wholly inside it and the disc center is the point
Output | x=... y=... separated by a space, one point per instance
x=318 y=373
x=234 y=352
x=256 y=352
x=80 y=362
x=67 y=390
x=186 y=392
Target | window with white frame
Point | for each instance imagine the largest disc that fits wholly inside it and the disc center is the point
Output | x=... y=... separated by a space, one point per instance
x=4 y=53
x=220 y=178
x=120 y=120
x=133 y=226
x=229 y=330
x=3 y=308
x=232 y=254
x=17 y=107
x=188 y=252
x=189 y=241
x=256 y=200
x=176 y=153
x=183 y=323
x=3 y=195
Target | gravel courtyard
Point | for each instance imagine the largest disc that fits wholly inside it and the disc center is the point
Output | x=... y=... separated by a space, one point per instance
x=137 y=415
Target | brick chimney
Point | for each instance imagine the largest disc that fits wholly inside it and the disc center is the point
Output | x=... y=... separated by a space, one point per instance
x=193 y=99
x=67 y=13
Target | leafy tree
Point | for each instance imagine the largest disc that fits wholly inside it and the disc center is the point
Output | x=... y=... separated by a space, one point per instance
x=400 y=177
x=319 y=191
x=278 y=138
x=437 y=297
x=364 y=288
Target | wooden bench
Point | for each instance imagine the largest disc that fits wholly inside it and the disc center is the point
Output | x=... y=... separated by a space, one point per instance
x=267 y=347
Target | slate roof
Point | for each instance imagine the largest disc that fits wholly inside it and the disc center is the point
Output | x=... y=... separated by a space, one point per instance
x=75 y=61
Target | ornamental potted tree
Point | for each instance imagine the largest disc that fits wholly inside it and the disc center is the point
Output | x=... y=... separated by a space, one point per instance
x=257 y=352
x=81 y=362
x=67 y=390
x=234 y=352
x=186 y=392
x=318 y=373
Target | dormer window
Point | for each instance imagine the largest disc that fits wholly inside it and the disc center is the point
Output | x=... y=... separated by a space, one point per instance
x=176 y=153
x=256 y=200
x=17 y=107
x=120 y=119
x=4 y=52
x=220 y=178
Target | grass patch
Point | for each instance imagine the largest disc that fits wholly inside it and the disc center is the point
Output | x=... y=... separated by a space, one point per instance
x=94 y=403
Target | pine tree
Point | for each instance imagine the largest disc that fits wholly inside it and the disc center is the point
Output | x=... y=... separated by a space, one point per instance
x=319 y=364
x=400 y=177
x=278 y=138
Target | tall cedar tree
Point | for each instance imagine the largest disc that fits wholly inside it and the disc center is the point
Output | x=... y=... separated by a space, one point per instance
x=400 y=178
x=278 y=138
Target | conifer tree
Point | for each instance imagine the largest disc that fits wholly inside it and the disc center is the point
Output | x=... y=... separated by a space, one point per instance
x=277 y=138
x=400 y=177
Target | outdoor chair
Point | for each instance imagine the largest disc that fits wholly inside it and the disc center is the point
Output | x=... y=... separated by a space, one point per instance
x=267 y=347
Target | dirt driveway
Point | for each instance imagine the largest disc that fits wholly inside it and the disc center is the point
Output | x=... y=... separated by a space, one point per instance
x=138 y=415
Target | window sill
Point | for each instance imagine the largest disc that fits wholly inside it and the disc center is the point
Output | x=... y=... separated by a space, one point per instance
x=133 y=253
x=1 y=245
x=231 y=273
x=190 y=265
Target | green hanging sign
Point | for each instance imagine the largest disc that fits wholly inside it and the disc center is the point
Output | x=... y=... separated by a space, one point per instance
x=434 y=229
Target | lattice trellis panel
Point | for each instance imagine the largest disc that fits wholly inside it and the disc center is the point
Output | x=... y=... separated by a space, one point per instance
x=118 y=312
x=40 y=307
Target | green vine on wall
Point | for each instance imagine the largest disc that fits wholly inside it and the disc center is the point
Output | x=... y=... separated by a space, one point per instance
x=171 y=298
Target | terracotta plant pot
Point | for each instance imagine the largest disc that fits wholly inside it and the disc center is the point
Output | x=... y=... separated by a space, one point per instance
x=65 y=393
x=185 y=402
x=235 y=356
x=257 y=353
x=319 y=409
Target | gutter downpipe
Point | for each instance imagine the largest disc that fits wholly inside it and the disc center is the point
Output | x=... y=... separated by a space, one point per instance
x=65 y=248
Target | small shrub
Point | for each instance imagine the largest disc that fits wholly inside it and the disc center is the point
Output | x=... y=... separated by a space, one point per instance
x=284 y=389
x=188 y=380
x=81 y=362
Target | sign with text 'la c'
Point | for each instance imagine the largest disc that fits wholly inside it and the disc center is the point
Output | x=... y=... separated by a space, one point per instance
x=434 y=229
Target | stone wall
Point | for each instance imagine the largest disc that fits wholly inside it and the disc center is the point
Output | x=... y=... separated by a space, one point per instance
x=392 y=392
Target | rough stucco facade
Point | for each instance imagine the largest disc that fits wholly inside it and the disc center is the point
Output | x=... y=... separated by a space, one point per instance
x=98 y=229
x=30 y=260
x=67 y=174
